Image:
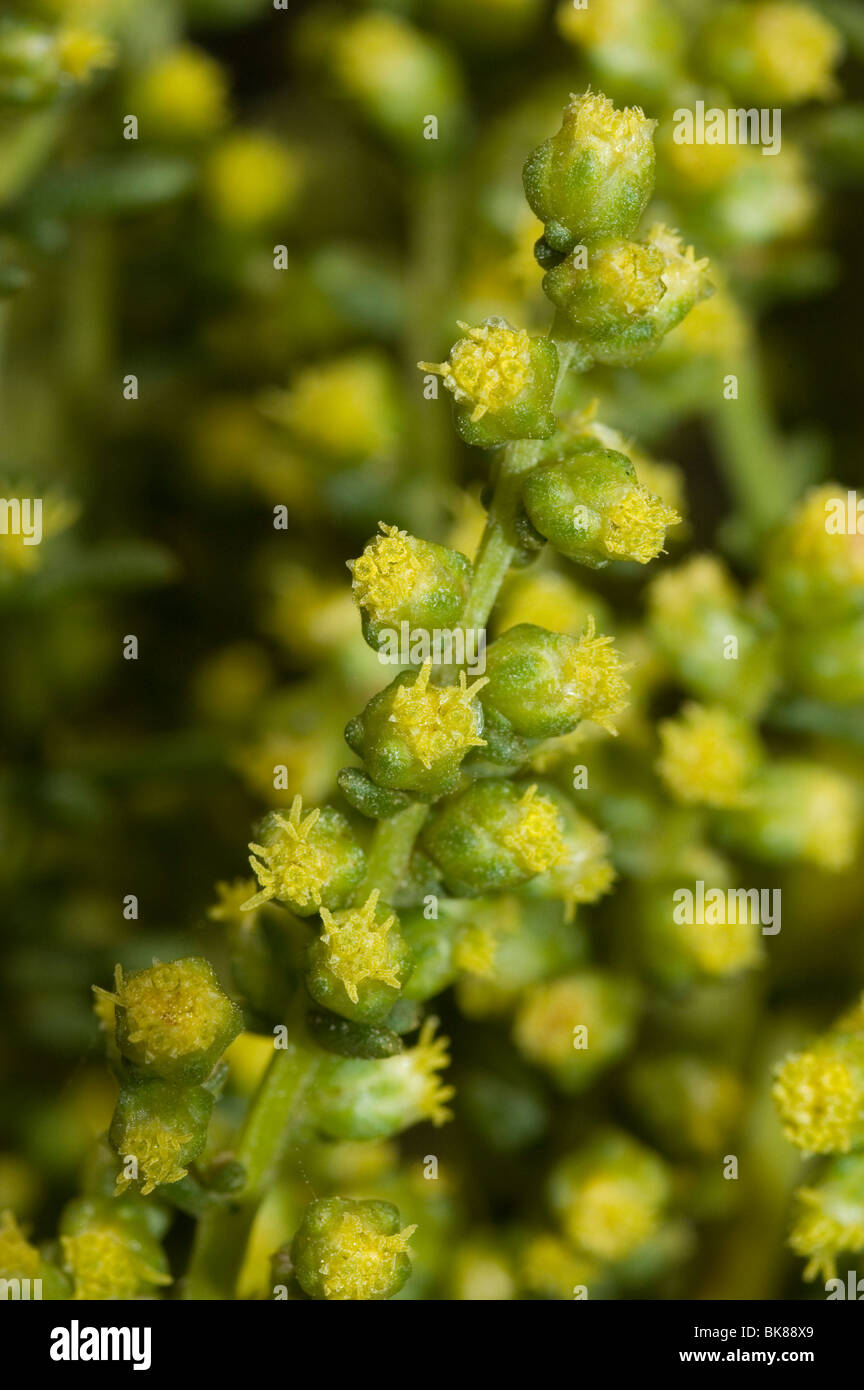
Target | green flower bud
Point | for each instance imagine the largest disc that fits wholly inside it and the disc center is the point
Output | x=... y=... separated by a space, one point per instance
x=679 y=953
x=493 y=836
x=797 y=810
x=718 y=649
x=543 y=683
x=174 y=1021
x=577 y=1026
x=827 y=663
x=829 y=1217
x=413 y=736
x=502 y=382
x=584 y=871
x=367 y=797
x=814 y=564
x=620 y=305
x=637 y=45
x=400 y=579
x=162 y=1127
x=593 y=508
x=306 y=862
x=534 y=944
x=359 y=963
x=432 y=943
x=358 y=1099
x=689 y=1105
x=771 y=51
x=595 y=176
x=347 y=1039
x=108 y=1250
x=348 y=1250
x=610 y=1196
x=19 y=1260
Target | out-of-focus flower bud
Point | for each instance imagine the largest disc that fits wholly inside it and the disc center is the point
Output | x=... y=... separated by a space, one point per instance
x=610 y=1196
x=108 y=1250
x=631 y=44
x=360 y=962
x=250 y=179
x=618 y=300
x=306 y=862
x=20 y=1260
x=814 y=564
x=687 y=1104
x=828 y=1219
x=718 y=650
x=413 y=736
x=577 y=1026
x=771 y=51
x=550 y=1268
x=592 y=508
x=502 y=381
x=358 y=1099
x=37 y=63
x=182 y=95
x=796 y=810
x=343 y=411
x=163 y=1127
x=677 y=949
x=550 y=600
x=401 y=579
x=493 y=836
x=349 y=1250
x=594 y=177
x=708 y=756
x=819 y=1093
x=827 y=663
x=173 y=1020
x=543 y=683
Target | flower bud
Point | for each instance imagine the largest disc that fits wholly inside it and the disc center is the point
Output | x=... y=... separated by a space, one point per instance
x=20 y=1260
x=549 y=600
x=549 y=1268
x=359 y=963
x=413 y=736
x=829 y=1217
x=401 y=579
x=349 y=1250
x=342 y=411
x=492 y=836
x=306 y=862
x=797 y=810
x=620 y=305
x=708 y=756
x=718 y=650
x=174 y=1021
x=814 y=565
x=502 y=382
x=610 y=1196
x=819 y=1093
x=595 y=176
x=162 y=1127
x=577 y=1026
x=359 y=1099
x=687 y=1104
x=249 y=180
x=182 y=95
x=584 y=871
x=629 y=44
x=543 y=683
x=827 y=662
x=771 y=51
x=36 y=63
x=677 y=949
x=593 y=509
x=108 y=1250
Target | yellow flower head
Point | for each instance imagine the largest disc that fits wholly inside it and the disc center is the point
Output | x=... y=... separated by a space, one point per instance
x=536 y=838
x=104 y=1265
x=342 y=409
x=388 y=571
x=83 y=52
x=417 y=1069
x=489 y=368
x=377 y=52
x=683 y=275
x=631 y=276
x=593 y=677
x=357 y=946
x=794 y=50
x=702 y=580
x=361 y=1260
x=437 y=721
x=610 y=1218
x=708 y=756
x=250 y=179
x=230 y=898
x=635 y=524
x=720 y=949
x=820 y=1097
x=157 y=1149
x=822 y=1229
x=807 y=541
x=171 y=1010
x=618 y=137
x=594 y=25
x=182 y=95
x=294 y=867
x=18 y=1258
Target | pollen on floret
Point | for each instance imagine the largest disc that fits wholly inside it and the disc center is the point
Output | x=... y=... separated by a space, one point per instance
x=437 y=721
x=819 y=1101
x=682 y=273
x=820 y=1235
x=156 y=1148
x=535 y=838
x=82 y=52
x=361 y=1261
x=635 y=524
x=293 y=867
x=18 y=1258
x=357 y=946
x=171 y=1009
x=104 y=1266
x=426 y=1094
x=230 y=898
x=388 y=571
x=591 y=118
x=488 y=368
x=708 y=756
x=632 y=275
x=593 y=678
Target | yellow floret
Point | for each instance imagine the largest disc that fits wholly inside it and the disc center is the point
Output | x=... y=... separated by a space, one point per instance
x=388 y=571
x=183 y=94
x=796 y=50
x=437 y=721
x=536 y=839
x=170 y=1009
x=593 y=678
x=361 y=1261
x=293 y=867
x=83 y=52
x=820 y=1236
x=425 y=1093
x=156 y=1149
x=707 y=757
x=250 y=178
x=489 y=368
x=104 y=1266
x=357 y=946
x=635 y=525
x=819 y=1101
x=632 y=277
x=610 y=1216
x=592 y=119
x=809 y=544
x=18 y=1258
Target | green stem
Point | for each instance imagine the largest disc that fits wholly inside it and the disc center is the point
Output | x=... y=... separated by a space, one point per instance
x=499 y=544
x=761 y=481
x=222 y=1235
x=391 y=851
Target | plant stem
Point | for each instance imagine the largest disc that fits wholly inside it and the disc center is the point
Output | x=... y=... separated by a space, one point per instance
x=222 y=1235
x=391 y=850
x=761 y=482
x=499 y=543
